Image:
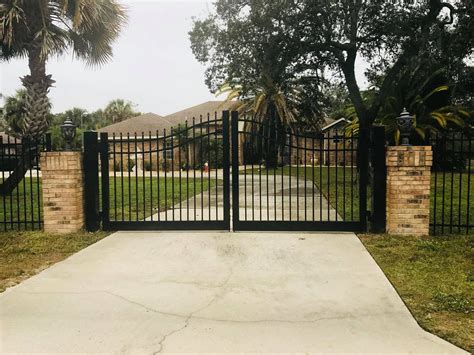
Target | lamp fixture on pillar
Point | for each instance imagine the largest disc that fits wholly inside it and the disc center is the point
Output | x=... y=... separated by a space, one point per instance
x=68 y=131
x=405 y=124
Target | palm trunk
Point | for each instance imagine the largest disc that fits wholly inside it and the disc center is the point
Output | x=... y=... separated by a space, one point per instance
x=36 y=122
x=25 y=162
x=272 y=146
x=37 y=86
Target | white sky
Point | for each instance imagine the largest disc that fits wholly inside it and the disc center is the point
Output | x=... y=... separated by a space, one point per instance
x=153 y=65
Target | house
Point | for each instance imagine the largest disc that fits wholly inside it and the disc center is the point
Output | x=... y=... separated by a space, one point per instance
x=144 y=140
x=335 y=125
x=10 y=151
x=7 y=139
x=189 y=137
x=328 y=146
x=337 y=146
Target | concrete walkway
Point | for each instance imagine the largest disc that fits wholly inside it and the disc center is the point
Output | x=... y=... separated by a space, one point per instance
x=213 y=292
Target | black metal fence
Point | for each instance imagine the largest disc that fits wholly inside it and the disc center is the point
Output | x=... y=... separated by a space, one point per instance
x=22 y=207
x=287 y=180
x=452 y=183
x=180 y=178
x=177 y=178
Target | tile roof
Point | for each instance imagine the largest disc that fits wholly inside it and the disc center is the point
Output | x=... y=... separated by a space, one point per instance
x=150 y=122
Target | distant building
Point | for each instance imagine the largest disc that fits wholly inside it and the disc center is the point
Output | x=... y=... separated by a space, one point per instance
x=155 y=142
x=171 y=140
x=10 y=151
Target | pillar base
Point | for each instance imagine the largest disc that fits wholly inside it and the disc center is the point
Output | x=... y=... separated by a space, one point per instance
x=408 y=190
x=63 y=192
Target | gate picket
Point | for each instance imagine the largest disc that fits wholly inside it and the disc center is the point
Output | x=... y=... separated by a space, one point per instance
x=175 y=173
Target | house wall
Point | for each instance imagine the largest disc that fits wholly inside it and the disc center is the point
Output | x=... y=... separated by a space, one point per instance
x=326 y=151
x=125 y=150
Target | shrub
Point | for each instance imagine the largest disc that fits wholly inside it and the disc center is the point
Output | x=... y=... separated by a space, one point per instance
x=117 y=167
x=147 y=165
x=130 y=165
x=212 y=152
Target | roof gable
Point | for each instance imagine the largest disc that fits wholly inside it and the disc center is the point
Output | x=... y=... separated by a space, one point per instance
x=209 y=107
x=148 y=122
x=335 y=124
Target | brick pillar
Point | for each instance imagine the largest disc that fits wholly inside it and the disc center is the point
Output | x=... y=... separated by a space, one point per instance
x=63 y=191
x=408 y=190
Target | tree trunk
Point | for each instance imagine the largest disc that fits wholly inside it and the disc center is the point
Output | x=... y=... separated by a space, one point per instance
x=36 y=122
x=37 y=86
x=270 y=138
x=366 y=118
x=27 y=156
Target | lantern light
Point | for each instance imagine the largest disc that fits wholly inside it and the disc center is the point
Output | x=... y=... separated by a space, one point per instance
x=405 y=124
x=68 y=131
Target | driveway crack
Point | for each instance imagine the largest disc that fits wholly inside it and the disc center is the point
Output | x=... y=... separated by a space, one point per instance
x=192 y=315
x=222 y=290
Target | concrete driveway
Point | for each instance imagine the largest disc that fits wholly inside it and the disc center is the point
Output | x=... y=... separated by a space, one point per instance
x=263 y=200
x=213 y=292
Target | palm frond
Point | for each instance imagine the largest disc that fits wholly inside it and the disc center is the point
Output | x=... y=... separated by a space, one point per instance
x=435 y=90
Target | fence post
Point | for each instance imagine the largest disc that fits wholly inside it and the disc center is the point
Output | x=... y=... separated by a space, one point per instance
x=235 y=168
x=226 y=166
x=363 y=167
x=91 y=181
x=379 y=180
x=48 y=143
x=104 y=178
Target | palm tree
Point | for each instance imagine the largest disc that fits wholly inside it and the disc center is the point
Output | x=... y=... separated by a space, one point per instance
x=39 y=29
x=182 y=139
x=277 y=110
x=119 y=110
x=426 y=95
x=261 y=103
x=13 y=113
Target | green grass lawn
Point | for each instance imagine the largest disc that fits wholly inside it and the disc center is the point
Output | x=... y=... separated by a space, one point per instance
x=435 y=278
x=137 y=200
x=339 y=185
x=22 y=205
x=24 y=254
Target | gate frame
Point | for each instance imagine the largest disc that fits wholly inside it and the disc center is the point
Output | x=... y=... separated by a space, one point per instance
x=98 y=212
x=305 y=226
x=96 y=153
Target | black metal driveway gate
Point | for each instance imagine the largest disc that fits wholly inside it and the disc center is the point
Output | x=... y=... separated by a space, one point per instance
x=180 y=179
x=289 y=180
x=175 y=179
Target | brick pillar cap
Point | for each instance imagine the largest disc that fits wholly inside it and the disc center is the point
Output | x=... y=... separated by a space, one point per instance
x=61 y=153
x=414 y=148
